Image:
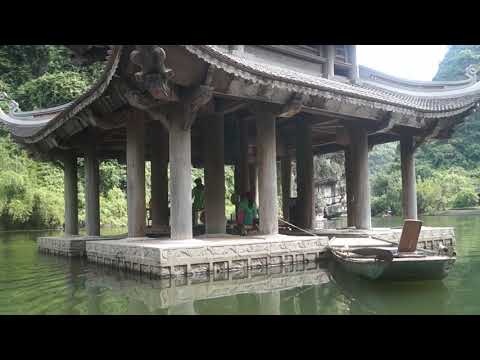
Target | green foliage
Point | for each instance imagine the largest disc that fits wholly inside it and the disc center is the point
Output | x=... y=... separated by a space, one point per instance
x=457 y=59
x=386 y=193
x=113 y=176
x=31 y=193
x=465 y=198
x=51 y=90
x=441 y=190
x=113 y=208
x=382 y=156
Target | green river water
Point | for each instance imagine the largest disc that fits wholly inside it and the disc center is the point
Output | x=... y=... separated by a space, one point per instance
x=34 y=283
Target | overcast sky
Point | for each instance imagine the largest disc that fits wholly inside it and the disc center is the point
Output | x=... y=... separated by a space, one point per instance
x=413 y=62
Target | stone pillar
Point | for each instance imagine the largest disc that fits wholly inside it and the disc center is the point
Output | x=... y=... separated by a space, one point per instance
x=286 y=169
x=136 y=176
x=330 y=70
x=304 y=174
x=267 y=177
x=92 y=190
x=409 y=187
x=354 y=74
x=252 y=171
x=361 y=187
x=214 y=174
x=257 y=198
x=180 y=177
x=244 y=169
x=349 y=187
x=70 y=194
x=159 y=177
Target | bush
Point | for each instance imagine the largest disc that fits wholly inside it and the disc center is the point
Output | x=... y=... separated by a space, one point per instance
x=465 y=198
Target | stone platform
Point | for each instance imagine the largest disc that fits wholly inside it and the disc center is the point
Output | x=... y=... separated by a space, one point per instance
x=205 y=254
x=72 y=246
x=215 y=254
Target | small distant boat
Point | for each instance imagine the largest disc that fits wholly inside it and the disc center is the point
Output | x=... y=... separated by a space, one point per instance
x=400 y=263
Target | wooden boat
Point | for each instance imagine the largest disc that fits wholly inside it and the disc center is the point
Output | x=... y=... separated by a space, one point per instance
x=404 y=262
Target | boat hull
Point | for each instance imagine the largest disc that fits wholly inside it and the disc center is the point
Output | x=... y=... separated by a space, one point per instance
x=400 y=269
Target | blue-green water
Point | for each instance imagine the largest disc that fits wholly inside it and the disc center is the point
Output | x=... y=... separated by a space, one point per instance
x=33 y=283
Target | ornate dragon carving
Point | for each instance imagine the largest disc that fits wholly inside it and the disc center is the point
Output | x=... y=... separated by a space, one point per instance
x=294 y=106
x=154 y=75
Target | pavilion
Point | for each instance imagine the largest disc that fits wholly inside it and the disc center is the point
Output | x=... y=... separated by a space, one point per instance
x=242 y=105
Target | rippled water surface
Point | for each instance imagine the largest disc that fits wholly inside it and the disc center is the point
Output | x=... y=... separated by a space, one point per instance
x=33 y=283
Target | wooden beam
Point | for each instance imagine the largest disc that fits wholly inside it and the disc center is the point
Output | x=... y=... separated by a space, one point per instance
x=193 y=100
x=226 y=107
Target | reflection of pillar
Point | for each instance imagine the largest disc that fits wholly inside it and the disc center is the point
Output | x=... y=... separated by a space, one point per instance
x=92 y=191
x=409 y=187
x=304 y=174
x=182 y=309
x=286 y=169
x=361 y=188
x=244 y=168
x=180 y=177
x=70 y=194
x=267 y=176
x=159 y=176
x=214 y=174
x=349 y=188
x=269 y=303
x=136 y=176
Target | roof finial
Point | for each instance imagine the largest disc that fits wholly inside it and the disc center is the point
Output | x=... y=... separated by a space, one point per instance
x=12 y=104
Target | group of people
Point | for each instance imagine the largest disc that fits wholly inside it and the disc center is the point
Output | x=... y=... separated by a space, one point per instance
x=246 y=214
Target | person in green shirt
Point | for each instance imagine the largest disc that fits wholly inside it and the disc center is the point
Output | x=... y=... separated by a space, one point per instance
x=247 y=213
x=198 y=195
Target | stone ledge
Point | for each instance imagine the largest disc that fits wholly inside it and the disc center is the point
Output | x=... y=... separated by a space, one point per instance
x=71 y=246
x=205 y=255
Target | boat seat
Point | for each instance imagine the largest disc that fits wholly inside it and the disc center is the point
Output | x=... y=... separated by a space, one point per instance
x=410 y=234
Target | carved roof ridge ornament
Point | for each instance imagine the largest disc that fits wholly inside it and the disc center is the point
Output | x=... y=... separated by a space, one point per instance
x=471 y=72
x=154 y=76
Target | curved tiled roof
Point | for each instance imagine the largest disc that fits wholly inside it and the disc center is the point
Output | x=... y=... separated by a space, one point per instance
x=32 y=126
x=431 y=103
x=419 y=99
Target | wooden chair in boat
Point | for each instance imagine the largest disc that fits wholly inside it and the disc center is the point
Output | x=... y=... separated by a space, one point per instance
x=409 y=238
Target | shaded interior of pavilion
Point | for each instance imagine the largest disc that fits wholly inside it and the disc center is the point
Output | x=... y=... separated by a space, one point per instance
x=248 y=136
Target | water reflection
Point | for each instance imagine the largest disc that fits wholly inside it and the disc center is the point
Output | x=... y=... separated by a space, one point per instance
x=385 y=297
x=248 y=292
